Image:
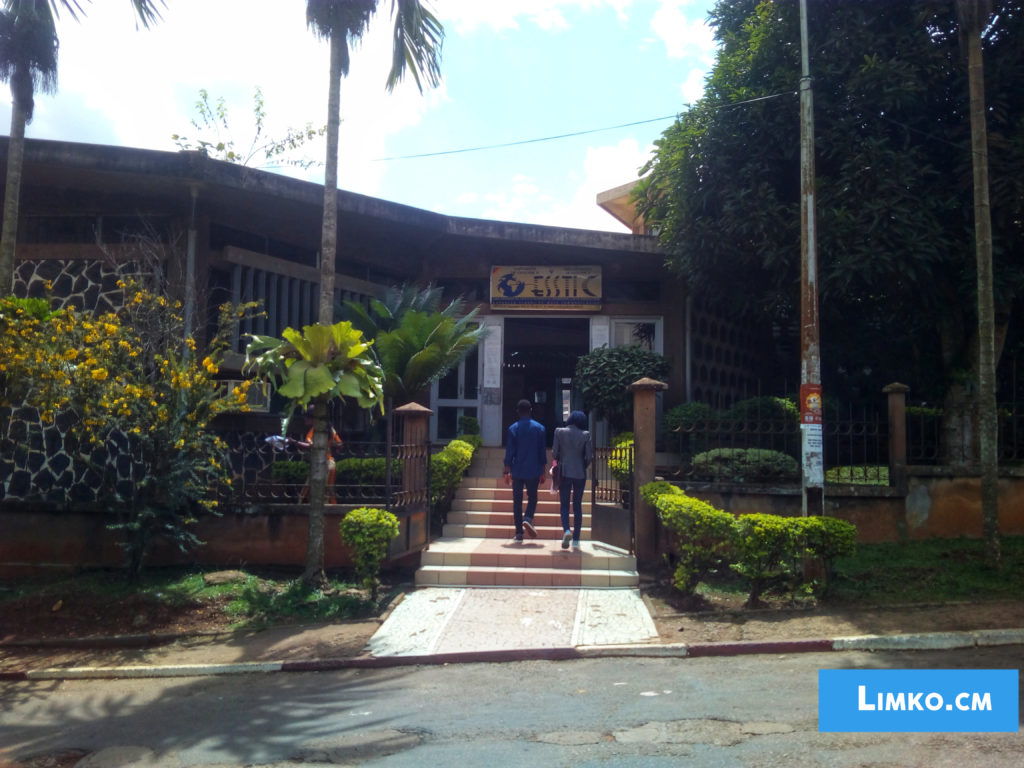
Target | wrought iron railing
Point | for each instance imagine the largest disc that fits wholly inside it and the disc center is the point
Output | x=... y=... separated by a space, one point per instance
x=611 y=476
x=931 y=442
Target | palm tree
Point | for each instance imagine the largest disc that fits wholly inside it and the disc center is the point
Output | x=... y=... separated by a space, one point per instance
x=311 y=368
x=28 y=61
x=417 y=49
x=974 y=16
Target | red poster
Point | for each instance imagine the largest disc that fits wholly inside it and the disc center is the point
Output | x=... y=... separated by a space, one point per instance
x=810 y=403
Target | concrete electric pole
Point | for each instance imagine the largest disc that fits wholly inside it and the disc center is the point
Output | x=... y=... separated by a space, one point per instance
x=812 y=441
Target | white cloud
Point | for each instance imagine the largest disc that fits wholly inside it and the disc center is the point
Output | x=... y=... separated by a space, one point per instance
x=683 y=37
x=693 y=87
x=467 y=15
x=523 y=199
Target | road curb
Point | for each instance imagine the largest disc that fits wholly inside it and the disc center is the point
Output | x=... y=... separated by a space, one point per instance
x=906 y=642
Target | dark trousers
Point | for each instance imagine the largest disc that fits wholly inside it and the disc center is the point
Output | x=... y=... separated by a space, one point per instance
x=574 y=487
x=518 y=483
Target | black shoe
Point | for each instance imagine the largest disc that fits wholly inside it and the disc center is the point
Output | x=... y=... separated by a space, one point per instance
x=530 y=530
x=519 y=538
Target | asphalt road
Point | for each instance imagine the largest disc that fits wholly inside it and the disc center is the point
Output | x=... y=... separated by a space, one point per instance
x=738 y=711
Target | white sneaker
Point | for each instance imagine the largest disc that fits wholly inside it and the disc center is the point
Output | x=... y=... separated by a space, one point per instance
x=566 y=538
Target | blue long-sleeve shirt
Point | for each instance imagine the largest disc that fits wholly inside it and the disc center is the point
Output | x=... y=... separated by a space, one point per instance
x=526 y=455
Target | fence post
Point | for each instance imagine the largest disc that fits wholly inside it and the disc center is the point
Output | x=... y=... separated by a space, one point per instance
x=897 y=435
x=413 y=507
x=645 y=432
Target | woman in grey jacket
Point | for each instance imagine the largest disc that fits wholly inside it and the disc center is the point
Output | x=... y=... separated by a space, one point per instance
x=574 y=452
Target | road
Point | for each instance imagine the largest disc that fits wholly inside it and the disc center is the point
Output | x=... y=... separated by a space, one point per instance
x=738 y=711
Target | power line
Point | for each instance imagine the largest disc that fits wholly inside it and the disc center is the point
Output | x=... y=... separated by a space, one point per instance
x=524 y=141
x=568 y=135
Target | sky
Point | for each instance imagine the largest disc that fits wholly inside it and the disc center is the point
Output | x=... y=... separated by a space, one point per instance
x=512 y=72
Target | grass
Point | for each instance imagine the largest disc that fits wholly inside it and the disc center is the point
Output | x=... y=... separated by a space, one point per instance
x=936 y=570
x=255 y=601
x=932 y=571
x=858 y=475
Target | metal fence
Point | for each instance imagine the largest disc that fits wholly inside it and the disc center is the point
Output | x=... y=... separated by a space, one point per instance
x=764 y=447
x=930 y=444
x=611 y=476
x=266 y=471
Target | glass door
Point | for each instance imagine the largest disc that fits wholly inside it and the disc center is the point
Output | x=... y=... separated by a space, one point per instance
x=456 y=396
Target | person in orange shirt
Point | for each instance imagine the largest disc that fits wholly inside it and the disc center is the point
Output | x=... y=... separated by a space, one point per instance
x=333 y=443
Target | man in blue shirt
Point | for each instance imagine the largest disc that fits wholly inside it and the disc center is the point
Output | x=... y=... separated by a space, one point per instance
x=526 y=463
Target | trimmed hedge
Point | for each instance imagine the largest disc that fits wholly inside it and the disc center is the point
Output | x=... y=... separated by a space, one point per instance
x=447 y=467
x=703 y=537
x=745 y=465
x=368 y=531
x=764 y=549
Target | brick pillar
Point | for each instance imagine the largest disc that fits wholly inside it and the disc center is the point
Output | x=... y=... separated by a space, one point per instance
x=897 y=435
x=412 y=504
x=645 y=432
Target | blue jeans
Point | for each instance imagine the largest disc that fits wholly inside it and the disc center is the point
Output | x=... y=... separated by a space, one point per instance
x=518 y=483
x=573 y=486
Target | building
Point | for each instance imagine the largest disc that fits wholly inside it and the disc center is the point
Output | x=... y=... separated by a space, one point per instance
x=223 y=232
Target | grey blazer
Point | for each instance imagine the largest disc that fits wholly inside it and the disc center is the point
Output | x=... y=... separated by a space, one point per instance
x=573 y=450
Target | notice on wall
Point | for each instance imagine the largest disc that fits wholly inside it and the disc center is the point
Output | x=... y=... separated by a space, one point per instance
x=813 y=455
x=566 y=287
x=492 y=358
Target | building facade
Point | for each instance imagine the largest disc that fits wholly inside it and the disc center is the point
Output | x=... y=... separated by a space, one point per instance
x=222 y=232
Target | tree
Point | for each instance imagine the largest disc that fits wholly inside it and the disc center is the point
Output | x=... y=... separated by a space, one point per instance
x=416 y=341
x=604 y=374
x=130 y=399
x=212 y=118
x=417 y=49
x=892 y=168
x=28 y=60
x=973 y=16
x=312 y=367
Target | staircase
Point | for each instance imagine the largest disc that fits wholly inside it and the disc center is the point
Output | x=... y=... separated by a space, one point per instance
x=477 y=547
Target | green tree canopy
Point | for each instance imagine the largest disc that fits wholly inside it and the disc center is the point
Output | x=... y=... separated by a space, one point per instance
x=893 y=164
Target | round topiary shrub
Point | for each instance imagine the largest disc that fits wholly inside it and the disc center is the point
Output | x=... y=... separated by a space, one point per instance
x=369 y=531
x=744 y=465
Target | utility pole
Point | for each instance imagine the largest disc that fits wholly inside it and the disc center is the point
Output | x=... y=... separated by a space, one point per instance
x=812 y=440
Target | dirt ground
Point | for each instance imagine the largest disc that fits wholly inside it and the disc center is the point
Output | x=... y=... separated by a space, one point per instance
x=81 y=615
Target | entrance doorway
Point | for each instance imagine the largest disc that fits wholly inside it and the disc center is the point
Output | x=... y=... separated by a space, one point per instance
x=540 y=361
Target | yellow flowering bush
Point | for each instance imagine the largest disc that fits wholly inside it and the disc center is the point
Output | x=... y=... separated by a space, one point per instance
x=137 y=396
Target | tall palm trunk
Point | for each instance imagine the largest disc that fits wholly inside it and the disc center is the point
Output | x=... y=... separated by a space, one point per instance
x=12 y=192
x=314 y=572
x=974 y=17
x=329 y=234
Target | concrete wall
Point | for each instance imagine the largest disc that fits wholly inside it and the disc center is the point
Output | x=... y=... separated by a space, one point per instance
x=934 y=507
x=37 y=540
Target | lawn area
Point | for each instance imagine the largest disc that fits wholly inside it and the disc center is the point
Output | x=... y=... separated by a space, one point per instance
x=173 y=600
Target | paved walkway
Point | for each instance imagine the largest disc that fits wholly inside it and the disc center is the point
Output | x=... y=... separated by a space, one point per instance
x=451 y=620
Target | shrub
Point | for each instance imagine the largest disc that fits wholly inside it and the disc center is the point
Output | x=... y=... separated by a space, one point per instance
x=469 y=425
x=703 y=536
x=290 y=472
x=446 y=469
x=651 y=491
x=827 y=538
x=765 y=550
x=685 y=415
x=764 y=408
x=472 y=439
x=745 y=465
x=604 y=374
x=369 y=531
x=365 y=471
x=620 y=461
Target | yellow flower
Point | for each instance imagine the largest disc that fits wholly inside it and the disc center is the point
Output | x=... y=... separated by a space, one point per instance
x=99 y=374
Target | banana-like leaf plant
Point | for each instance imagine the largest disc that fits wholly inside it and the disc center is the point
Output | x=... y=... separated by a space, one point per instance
x=310 y=368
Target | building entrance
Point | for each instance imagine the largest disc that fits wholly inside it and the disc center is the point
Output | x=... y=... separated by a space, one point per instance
x=540 y=361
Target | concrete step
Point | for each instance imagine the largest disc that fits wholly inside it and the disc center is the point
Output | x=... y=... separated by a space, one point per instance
x=505 y=530
x=532 y=553
x=489 y=517
x=485 y=576
x=550 y=504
